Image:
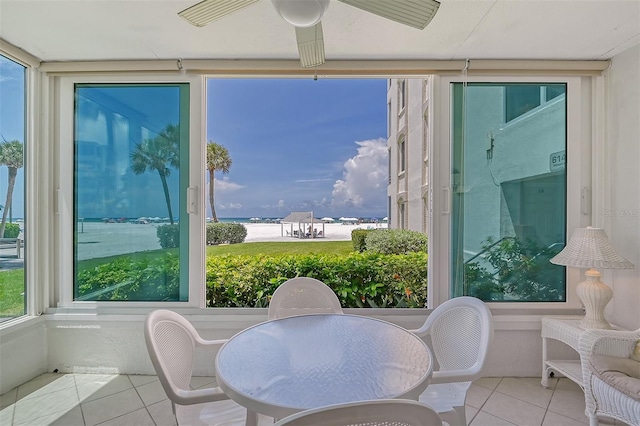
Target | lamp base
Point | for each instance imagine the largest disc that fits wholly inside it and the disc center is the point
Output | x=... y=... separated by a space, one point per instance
x=594 y=295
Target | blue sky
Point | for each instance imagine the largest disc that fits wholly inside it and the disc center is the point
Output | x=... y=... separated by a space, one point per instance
x=296 y=144
x=300 y=144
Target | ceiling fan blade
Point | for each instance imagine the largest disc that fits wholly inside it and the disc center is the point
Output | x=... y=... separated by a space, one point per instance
x=414 y=13
x=200 y=14
x=310 y=45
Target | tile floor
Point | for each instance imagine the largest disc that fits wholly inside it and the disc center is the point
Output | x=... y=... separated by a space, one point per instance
x=91 y=399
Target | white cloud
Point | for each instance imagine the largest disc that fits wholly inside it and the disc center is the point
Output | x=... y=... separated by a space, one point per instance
x=230 y=206
x=364 y=177
x=278 y=206
x=225 y=185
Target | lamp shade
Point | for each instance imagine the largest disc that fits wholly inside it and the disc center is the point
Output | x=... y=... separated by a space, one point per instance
x=590 y=248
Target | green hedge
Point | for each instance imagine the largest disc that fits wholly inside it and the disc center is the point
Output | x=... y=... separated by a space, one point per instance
x=132 y=279
x=358 y=237
x=169 y=235
x=359 y=279
x=11 y=230
x=395 y=241
x=226 y=233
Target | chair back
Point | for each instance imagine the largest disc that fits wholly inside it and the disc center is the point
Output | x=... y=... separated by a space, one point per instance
x=383 y=412
x=302 y=296
x=171 y=343
x=461 y=331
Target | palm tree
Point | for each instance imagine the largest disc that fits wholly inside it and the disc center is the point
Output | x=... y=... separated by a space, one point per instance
x=160 y=154
x=217 y=159
x=12 y=156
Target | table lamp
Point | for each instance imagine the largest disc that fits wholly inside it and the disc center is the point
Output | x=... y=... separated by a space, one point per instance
x=590 y=248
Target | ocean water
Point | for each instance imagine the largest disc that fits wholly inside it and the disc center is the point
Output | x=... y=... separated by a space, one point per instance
x=248 y=219
x=221 y=219
x=277 y=220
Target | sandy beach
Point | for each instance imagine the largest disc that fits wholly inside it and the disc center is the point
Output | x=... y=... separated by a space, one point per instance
x=277 y=232
x=96 y=239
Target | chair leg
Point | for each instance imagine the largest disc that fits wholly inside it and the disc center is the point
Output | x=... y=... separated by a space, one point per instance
x=252 y=418
x=461 y=415
x=455 y=417
x=593 y=421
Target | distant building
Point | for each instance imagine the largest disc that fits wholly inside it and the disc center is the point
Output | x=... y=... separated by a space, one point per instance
x=408 y=141
x=508 y=162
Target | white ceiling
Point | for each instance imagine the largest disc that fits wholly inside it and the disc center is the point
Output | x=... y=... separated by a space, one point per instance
x=72 y=30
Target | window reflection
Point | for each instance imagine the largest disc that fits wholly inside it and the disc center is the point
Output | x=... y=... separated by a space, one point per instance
x=129 y=155
x=509 y=201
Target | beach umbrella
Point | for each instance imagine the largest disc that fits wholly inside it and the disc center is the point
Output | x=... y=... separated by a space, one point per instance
x=327 y=219
x=348 y=219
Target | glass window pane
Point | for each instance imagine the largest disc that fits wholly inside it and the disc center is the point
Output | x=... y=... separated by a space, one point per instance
x=131 y=169
x=12 y=195
x=509 y=196
x=520 y=99
x=554 y=90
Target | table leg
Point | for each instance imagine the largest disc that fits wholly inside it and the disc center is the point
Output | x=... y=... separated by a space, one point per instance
x=252 y=418
x=545 y=378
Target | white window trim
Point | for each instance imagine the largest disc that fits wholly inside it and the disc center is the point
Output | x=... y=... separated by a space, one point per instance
x=63 y=187
x=45 y=123
x=402 y=96
x=402 y=154
x=579 y=142
x=34 y=289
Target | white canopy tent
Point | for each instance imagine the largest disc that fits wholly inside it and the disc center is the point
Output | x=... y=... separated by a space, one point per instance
x=306 y=225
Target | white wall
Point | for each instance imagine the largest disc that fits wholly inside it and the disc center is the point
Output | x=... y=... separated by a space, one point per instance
x=23 y=353
x=115 y=344
x=621 y=215
x=103 y=346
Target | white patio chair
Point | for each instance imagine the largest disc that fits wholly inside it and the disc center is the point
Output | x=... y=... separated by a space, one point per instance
x=460 y=332
x=171 y=341
x=382 y=412
x=609 y=393
x=301 y=296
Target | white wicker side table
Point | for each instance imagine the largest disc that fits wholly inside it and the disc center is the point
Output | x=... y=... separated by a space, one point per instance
x=564 y=329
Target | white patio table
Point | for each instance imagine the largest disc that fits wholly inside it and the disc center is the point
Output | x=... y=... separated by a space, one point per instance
x=287 y=365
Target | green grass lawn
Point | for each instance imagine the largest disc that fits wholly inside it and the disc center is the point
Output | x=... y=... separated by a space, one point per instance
x=306 y=247
x=251 y=249
x=92 y=263
x=11 y=293
x=12 y=282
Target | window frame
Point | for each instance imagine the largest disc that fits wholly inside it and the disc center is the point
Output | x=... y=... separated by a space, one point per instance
x=44 y=186
x=34 y=290
x=402 y=95
x=579 y=146
x=402 y=154
x=64 y=187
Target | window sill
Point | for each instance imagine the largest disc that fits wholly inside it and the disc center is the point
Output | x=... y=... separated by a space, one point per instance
x=241 y=318
x=17 y=324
